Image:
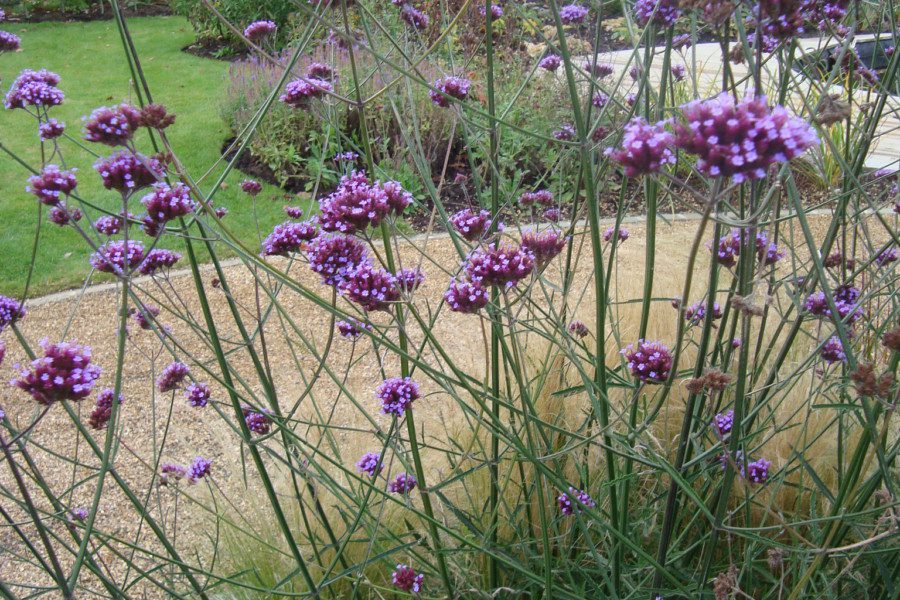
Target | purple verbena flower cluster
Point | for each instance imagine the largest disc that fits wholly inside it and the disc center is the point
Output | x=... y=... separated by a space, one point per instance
x=117 y=257
x=144 y=315
x=661 y=12
x=496 y=11
x=405 y=578
x=450 y=86
x=466 y=296
x=470 y=225
x=357 y=204
x=51 y=130
x=109 y=225
x=696 y=312
x=124 y=171
x=64 y=372
x=251 y=187
x=199 y=468
x=645 y=148
x=112 y=125
x=499 y=264
x=578 y=329
x=258 y=421
x=544 y=246
x=299 y=93
x=572 y=14
x=373 y=288
x=289 y=237
x=332 y=256
x=34 y=88
x=551 y=62
x=294 y=212
x=259 y=30
x=157 y=259
x=9 y=42
x=197 y=394
x=539 y=197
x=166 y=202
x=370 y=464
x=172 y=376
x=103 y=408
x=723 y=422
x=598 y=70
x=414 y=17
x=611 y=231
x=397 y=395
x=566 y=133
x=11 y=310
x=758 y=470
x=52 y=184
x=351 y=328
x=403 y=483
x=741 y=140
x=61 y=214
x=649 y=362
x=571 y=502
x=833 y=350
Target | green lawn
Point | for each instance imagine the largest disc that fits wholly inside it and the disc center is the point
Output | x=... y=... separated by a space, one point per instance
x=90 y=59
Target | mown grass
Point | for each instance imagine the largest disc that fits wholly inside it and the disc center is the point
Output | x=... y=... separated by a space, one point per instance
x=94 y=71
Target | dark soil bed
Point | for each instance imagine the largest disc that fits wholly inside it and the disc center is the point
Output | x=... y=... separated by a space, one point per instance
x=94 y=13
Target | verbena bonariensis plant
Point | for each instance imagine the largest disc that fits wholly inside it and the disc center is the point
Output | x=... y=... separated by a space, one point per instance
x=513 y=409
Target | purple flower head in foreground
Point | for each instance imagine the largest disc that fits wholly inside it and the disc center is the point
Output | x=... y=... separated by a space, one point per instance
x=466 y=296
x=123 y=171
x=565 y=133
x=886 y=256
x=758 y=470
x=398 y=198
x=63 y=215
x=294 y=212
x=51 y=130
x=542 y=197
x=572 y=14
x=403 y=483
x=200 y=468
x=845 y=300
x=679 y=72
x=631 y=99
x=158 y=259
x=649 y=361
x=355 y=205
x=117 y=257
x=370 y=464
x=409 y=280
x=645 y=148
x=496 y=11
x=251 y=187
x=333 y=256
x=397 y=395
x=598 y=70
x=371 y=287
x=600 y=100
x=52 y=185
x=112 y=125
x=413 y=17
x=736 y=342
x=289 y=237
x=144 y=315
x=660 y=12
x=9 y=42
x=454 y=87
x=165 y=203
x=499 y=264
x=11 y=310
x=405 y=578
x=741 y=140
x=696 y=312
x=34 y=88
x=470 y=225
x=352 y=329
x=171 y=377
x=609 y=233
x=258 y=421
x=728 y=248
x=64 y=372
x=171 y=473
x=197 y=394
x=259 y=30
x=109 y=225
x=578 y=329
x=103 y=408
x=551 y=62
x=544 y=246
x=298 y=93
x=571 y=502
x=833 y=351
x=723 y=422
